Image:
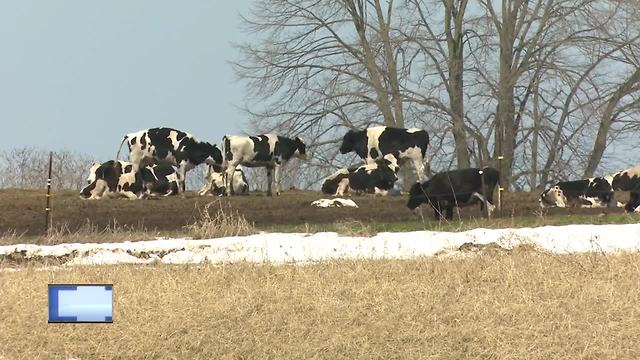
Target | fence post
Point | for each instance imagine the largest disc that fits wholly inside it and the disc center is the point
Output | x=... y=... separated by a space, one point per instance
x=47 y=209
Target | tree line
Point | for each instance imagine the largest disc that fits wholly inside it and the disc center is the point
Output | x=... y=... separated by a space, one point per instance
x=549 y=86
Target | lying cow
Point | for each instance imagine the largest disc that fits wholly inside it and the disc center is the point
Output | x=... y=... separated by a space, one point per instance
x=375 y=142
x=119 y=178
x=170 y=146
x=594 y=192
x=377 y=178
x=269 y=150
x=214 y=183
x=633 y=205
x=457 y=188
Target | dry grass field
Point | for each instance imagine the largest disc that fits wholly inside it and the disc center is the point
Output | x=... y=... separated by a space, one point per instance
x=496 y=305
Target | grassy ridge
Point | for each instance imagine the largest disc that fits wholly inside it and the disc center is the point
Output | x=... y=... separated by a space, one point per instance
x=499 y=305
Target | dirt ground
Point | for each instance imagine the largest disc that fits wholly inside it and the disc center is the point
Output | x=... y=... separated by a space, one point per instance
x=22 y=211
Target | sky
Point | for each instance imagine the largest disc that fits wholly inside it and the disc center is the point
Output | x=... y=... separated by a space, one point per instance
x=78 y=75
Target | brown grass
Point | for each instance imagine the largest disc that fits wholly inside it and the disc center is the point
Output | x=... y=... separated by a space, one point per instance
x=495 y=305
x=225 y=221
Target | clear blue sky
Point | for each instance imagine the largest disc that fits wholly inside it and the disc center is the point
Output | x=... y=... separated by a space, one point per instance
x=79 y=74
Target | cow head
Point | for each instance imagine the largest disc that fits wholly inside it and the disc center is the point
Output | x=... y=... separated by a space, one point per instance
x=554 y=196
x=102 y=177
x=301 y=149
x=92 y=173
x=417 y=195
x=354 y=141
x=391 y=162
x=204 y=152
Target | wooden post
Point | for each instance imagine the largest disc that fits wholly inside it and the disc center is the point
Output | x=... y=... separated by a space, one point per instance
x=47 y=209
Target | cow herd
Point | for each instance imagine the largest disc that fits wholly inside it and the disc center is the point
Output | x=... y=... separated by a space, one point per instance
x=159 y=159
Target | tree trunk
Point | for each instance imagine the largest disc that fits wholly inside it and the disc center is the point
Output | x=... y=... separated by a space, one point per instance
x=369 y=61
x=606 y=121
x=455 y=63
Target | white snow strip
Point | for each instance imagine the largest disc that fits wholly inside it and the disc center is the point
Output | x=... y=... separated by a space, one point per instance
x=304 y=248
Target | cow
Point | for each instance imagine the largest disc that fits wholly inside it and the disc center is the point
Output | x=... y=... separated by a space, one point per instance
x=268 y=150
x=375 y=142
x=377 y=178
x=633 y=205
x=120 y=178
x=170 y=146
x=625 y=180
x=457 y=188
x=594 y=192
x=214 y=183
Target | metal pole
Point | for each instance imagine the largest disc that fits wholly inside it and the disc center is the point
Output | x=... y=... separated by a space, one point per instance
x=485 y=209
x=47 y=209
x=500 y=188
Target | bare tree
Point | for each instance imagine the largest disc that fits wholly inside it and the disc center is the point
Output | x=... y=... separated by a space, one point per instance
x=530 y=80
x=27 y=168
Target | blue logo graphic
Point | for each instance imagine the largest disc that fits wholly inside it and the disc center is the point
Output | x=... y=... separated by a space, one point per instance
x=80 y=303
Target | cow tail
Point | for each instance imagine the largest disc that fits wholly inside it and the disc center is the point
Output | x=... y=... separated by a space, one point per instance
x=120 y=148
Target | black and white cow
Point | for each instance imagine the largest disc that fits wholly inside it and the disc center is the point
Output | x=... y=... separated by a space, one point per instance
x=373 y=178
x=375 y=142
x=269 y=150
x=170 y=146
x=214 y=183
x=457 y=188
x=594 y=192
x=625 y=180
x=633 y=205
x=120 y=178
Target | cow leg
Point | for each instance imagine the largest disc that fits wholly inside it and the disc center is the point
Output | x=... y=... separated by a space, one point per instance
x=343 y=186
x=182 y=173
x=269 y=180
x=449 y=212
x=419 y=165
x=207 y=182
x=227 y=178
x=278 y=171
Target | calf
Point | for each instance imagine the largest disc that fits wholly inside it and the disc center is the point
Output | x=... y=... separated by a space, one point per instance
x=457 y=188
x=373 y=143
x=269 y=150
x=594 y=192
x=119 y=178
x=170 y=146
x=214 y=183
x=377 y=177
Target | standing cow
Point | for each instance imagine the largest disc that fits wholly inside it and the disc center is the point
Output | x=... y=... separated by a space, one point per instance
x=375 y=142
x=170 y=146
x=374 y=178
x=457 y=188
x=269 y=150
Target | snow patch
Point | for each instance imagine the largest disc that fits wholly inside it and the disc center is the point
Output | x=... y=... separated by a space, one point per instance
x=308 y=248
